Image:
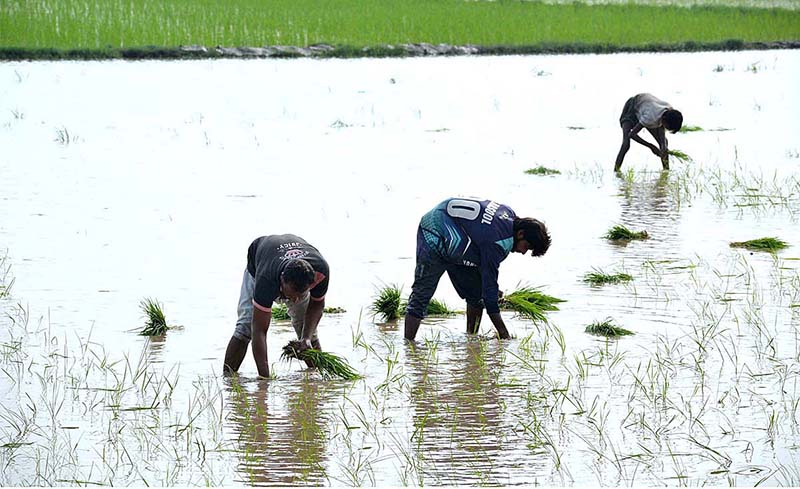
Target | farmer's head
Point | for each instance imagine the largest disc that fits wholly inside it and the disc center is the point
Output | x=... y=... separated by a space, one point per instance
x=672 y=120
x=296 y=279
x=530 y=234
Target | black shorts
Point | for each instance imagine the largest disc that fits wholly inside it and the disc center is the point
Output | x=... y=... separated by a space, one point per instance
x=629 y=113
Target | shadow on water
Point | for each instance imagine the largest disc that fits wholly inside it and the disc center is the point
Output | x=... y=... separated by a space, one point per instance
x=281 y=435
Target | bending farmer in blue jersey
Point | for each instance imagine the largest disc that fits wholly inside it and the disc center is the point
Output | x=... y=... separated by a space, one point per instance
x=468 y=239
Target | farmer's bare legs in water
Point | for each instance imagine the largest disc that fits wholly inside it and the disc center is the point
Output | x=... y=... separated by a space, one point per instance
x=474 y=314
x=630 y=131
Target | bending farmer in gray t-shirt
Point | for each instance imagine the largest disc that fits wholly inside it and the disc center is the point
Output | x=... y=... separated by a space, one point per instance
x=646 y=111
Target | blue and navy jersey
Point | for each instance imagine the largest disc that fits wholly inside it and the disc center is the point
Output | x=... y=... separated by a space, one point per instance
x=473 y=233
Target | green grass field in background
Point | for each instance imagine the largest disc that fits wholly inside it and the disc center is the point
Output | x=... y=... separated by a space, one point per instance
x=115 y=24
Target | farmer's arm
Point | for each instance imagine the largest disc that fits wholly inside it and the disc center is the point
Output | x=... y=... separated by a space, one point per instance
x=313 y=315
x=634 y=134
x=490 y=262
x=259 y=327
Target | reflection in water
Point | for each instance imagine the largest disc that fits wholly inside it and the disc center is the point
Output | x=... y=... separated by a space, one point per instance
x=457 y=435
x=646 y=200
x=281 y=434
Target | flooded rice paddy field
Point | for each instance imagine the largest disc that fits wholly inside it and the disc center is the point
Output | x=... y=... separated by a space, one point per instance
x=124 y=180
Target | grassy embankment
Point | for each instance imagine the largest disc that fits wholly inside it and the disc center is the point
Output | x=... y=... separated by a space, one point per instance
x=154 y=28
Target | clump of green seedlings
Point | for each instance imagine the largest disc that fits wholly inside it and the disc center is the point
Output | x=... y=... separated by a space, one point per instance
x=620 y=232
x=598 y=277
x=541 y=170
x=387 y=302
x=334 y=310
x=691 y=129
x=390 y=304
x=607 y=328
x=761 y=244
x=530 y=302
x=280 y=312
x=679 y=155
x=156 y=323
x=328 y=364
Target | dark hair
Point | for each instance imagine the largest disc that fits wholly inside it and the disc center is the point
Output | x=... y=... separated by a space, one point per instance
x=299 y=274
x=534 y=232
x=673 y=120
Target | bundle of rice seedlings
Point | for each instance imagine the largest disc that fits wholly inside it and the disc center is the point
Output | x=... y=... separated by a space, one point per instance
x=761 y=244
x=598 y=277
x=156 y=323
x=679 y=154
x=622 y=233
x=541 y=170
x=529 y=302
x=607 y=328
x=334 y=310
x=691 y=129
x=387 y=302
x=328 y=364
x=435 y=308
x=280 y=312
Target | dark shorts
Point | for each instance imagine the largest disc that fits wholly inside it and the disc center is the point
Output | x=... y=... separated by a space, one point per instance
x=629 y=113
x=430 y=268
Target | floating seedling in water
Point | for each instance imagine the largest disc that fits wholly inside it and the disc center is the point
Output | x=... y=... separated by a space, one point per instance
x=761 y=244
x=280 y=312
x=607 y=328
x=334 y=310
x=328 y=364
x=387 y=302
x=156 y=324
x=435 y=308
x=622 y=233
x=691 y=129
x=541 y=170
x=598 y=277
x=679 y=155
x=530 y=302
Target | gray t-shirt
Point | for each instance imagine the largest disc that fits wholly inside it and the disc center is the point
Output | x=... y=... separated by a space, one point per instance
x=645 y=109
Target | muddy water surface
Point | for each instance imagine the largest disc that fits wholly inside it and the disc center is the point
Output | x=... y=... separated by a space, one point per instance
x=123 y=180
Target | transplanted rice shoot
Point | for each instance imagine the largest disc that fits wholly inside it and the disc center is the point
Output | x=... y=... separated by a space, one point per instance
x=156 y=323
x=334 y=310
x=761 y=244
x=691 y=129
x=387 y=302
x=679 y=155
x=328 y=364
x=622 y=233
x=598 y=277
x=607 y=328
x=541 y=170
x=530 y=302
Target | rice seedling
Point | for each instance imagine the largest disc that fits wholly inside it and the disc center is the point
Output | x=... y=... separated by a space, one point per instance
x=156 y=323
x=761 y=244
x=541 y=170
x=530 y=302
x=435 y=308
x=328 y=364
x=387 y=302
x=607 y=328
x=334 y=310
x=620 y=233
x=280 y=312
x=598 y=277
x=691 y=129
x=679 y=155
